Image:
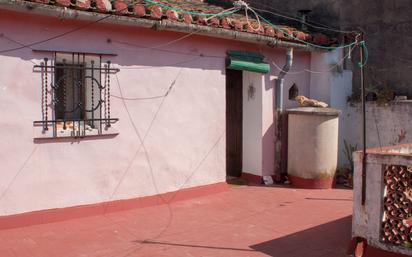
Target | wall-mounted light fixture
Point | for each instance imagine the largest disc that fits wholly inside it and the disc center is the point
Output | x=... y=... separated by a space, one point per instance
x=251 y=92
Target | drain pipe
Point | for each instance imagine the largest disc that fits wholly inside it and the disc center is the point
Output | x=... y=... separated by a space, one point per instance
x=281 y=125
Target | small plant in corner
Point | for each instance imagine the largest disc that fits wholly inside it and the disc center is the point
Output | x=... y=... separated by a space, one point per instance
x=348 y=151
x=372 y=92
x=385 y=95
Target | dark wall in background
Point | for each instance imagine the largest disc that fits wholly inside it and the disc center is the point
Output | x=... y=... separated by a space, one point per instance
x=388 y=32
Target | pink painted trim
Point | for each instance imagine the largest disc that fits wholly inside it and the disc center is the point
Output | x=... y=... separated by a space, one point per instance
x=311 y=183
x=252 y=179
x=62 y=214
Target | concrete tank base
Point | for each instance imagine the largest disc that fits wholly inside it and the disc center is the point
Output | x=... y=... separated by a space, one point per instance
x=312 y=147
x=311 y=183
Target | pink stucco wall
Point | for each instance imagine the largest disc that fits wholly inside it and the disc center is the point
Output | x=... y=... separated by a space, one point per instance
x=185 y=144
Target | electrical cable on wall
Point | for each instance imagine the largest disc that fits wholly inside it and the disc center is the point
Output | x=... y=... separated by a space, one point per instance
x=165 y=50
x=224 y=12
x=160 y=66
x=243 y=5
x=312 y=71
x=229 y=11
x=308 y=43
x=147 y=156
x=18 y=172
x=240 y=4
x=16 y=42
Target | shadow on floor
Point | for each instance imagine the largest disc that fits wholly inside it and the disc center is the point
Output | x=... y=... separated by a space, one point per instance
x=193 y=246
x=330 y=239
x=327 y=240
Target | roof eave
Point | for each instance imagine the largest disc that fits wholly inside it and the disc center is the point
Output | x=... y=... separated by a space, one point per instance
x=64 y=13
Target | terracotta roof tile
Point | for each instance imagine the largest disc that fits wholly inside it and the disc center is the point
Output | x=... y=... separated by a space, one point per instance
x=142 y=9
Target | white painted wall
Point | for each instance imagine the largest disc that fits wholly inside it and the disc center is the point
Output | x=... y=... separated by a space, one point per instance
x=258 y=124
x=297 y=75
x=386 y=125
x=252 y=123
x=185 y=143
x=268 y=125
x=333 y=86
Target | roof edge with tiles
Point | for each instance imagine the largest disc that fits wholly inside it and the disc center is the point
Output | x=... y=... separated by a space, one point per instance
x=140 y=15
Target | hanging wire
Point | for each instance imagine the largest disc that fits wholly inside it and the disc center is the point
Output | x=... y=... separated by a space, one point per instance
x=223 y=13
x=312 y=71
x=308 y=43
x=164 y=50
x=310 y=24
x=210 y=15
x=162 y=65
x=244 y=5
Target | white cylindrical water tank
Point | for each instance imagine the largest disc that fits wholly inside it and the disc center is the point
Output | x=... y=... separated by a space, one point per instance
x=312 y=146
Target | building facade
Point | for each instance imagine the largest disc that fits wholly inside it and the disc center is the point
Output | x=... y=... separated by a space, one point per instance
x=110 y=113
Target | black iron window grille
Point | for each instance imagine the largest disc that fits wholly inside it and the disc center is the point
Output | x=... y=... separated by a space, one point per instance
x=75 y=95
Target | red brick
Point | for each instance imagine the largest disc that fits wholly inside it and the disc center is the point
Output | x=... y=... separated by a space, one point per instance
x=214 y=22
x=226 y=23
x=320 y=39
x=239 y=25
x=202 y=20
x=280 y=34
x=120 y=7
x=270 y=32
x=287 y=32
x=187 y=18
x=254 y=28
x=408 y=222
x=83 y=4
x=249 y=28
x=300 y=35
x=64 y=3
x=139 y=10
x=172 y=15
x=156 y=12
x=103 y=5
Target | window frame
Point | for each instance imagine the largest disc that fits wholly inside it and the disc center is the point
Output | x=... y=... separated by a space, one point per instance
x=92 y=84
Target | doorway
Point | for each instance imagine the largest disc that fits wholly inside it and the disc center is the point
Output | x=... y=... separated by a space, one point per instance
x=234 y=122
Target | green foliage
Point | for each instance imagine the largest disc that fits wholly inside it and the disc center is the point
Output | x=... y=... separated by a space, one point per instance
x=372 y=89
x=352 y=99
x=407 y=244
x=348 y=151
x=385 y=95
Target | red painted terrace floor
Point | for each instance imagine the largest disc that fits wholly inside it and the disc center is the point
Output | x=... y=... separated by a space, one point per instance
x=244 y=221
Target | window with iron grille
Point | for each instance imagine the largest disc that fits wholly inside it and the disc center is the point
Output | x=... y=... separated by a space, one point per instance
x=75 y=92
